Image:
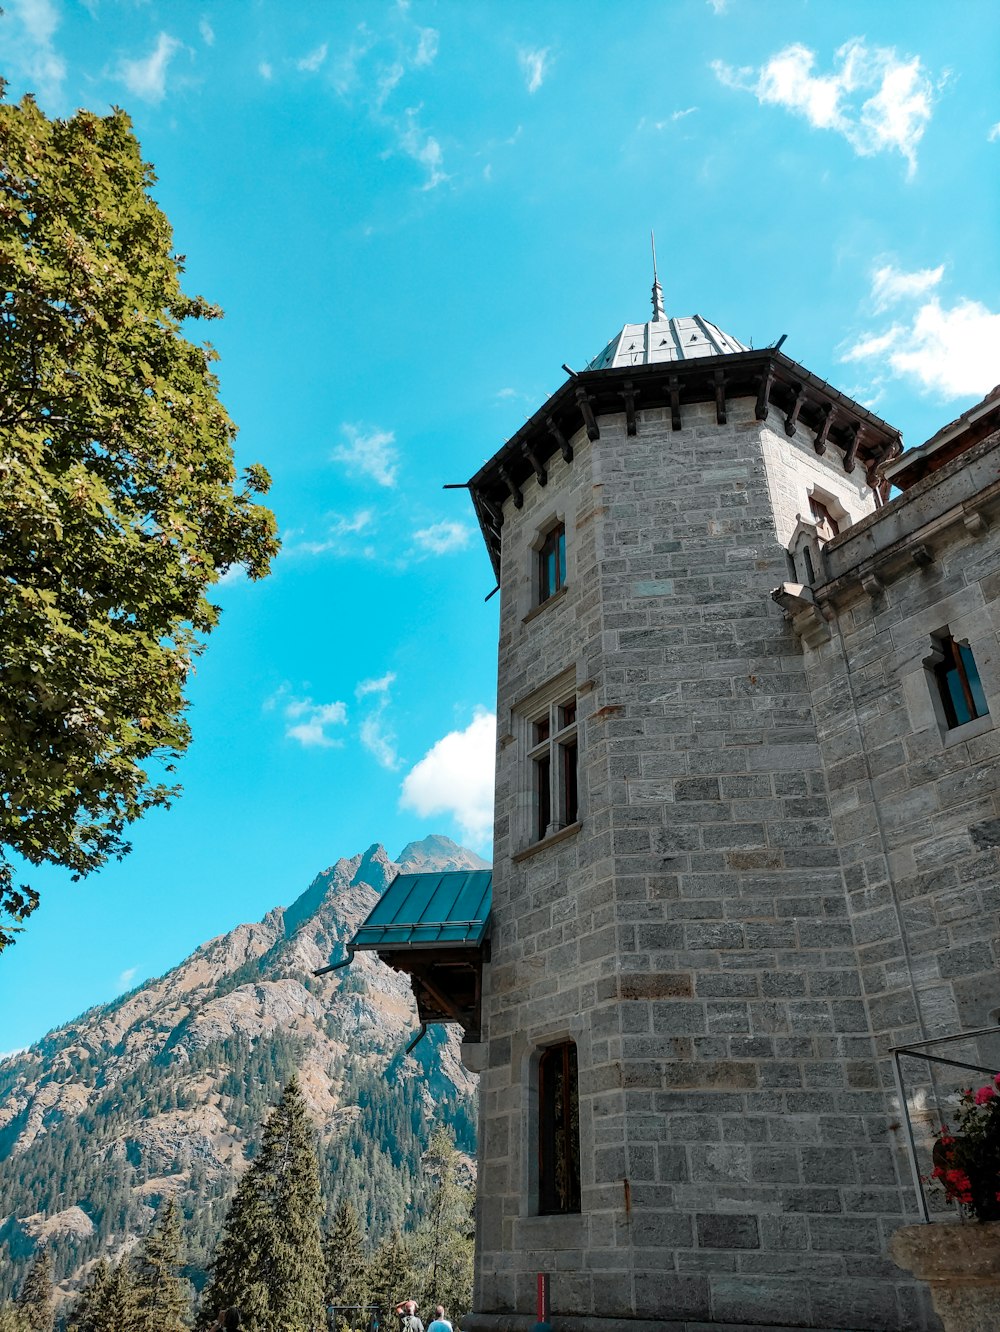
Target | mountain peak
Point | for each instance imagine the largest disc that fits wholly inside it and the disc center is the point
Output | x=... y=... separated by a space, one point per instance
x=437 y=852
x=375 y=869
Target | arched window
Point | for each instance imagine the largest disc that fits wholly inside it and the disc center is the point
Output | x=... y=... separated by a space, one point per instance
x=558 y=1131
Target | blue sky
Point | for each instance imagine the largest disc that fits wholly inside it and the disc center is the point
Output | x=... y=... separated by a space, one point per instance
x=413 y=214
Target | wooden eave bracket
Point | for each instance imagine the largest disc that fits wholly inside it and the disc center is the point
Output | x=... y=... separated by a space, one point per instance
x=512 y=486
x=809 y=620
x=719 y=378
x=565 y=447
x=587 y=411
x=674 y=388
x=628 y=393
x=852 y=449
x=793 y=411
x=763 y=393
x=823 y=433
x=540 y=473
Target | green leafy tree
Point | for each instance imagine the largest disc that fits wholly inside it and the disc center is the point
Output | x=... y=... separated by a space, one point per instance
x=163 y=1296
x=119 y=501
x=390 y=1275
x=444 y=1243
x=269 y=1262
x=344 y=1248
x=34 y=1303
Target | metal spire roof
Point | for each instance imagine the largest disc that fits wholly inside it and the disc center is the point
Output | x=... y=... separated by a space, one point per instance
x=663 y=339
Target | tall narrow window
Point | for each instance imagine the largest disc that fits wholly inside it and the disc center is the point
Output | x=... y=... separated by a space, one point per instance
x=826 y=525
x=958 y=683
x=554 y=760
x=552 y=563
x=558 y=1131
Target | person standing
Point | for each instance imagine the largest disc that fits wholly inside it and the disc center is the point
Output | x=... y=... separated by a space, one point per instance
x=439 y=1323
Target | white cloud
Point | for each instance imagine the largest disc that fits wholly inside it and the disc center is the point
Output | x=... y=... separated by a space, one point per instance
x=688 y=111
x=427 y=48
x=455 y=777
x=378 y=686
x=264 y=70
x=892 y=118
x=307 y=722
x=994 y=133
x=127 y=977
x=952 y=351
x=718 y=6
x=340 y=528
x=9 y=1054
x=310 y=63
x=207 y=32
x=379 y=740
x=388 y=79
x=415 y=142
x=890 y=285
x=29 y=46
x=147 y=78
x=371 y=454
x=534 y=67
x=441 y=538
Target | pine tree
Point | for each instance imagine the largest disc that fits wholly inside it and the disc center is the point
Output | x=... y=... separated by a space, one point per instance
x=444 y=1243
x=390 y=1275
x=34 y=1303
x=11 y=1320
x=269 y=1262
x=344 y=1247
x=88 y=1309
x=118 y=1308
x=162 y=1294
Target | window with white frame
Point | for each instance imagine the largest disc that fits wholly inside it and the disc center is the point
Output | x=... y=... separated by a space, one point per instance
x=553 y=759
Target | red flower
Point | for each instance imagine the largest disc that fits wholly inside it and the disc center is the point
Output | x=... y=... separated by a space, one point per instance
x=983 y=1095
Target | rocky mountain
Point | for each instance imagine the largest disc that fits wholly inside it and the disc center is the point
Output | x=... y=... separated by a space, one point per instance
x=162 y=1092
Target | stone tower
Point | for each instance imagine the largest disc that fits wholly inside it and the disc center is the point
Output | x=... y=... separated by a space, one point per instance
x=682 y=1116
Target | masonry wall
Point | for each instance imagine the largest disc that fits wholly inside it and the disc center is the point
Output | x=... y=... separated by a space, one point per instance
x=915 y=805
x=693 y=935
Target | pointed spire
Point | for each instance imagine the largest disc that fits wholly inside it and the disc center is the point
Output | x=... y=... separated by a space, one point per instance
x=658 y=311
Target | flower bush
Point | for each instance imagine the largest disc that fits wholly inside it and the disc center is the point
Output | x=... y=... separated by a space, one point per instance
x=967 y=1162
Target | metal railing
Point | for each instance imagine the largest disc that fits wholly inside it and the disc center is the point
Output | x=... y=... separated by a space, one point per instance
x=917 y=1050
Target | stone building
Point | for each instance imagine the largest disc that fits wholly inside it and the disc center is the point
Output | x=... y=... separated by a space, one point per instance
x=747 y=820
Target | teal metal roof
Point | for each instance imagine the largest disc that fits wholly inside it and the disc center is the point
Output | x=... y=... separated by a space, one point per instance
x=448 y=909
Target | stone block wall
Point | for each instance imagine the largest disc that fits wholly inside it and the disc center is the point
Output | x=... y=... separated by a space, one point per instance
x=693 y=935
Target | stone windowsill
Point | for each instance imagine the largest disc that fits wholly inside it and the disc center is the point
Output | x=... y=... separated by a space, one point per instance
x=544 y=605
x=978 y=726
x=562 y=835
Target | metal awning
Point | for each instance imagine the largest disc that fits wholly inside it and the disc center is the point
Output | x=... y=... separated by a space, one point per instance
x=441 y=910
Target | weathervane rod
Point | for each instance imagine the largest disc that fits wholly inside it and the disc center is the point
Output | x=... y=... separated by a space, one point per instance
x=658 y=311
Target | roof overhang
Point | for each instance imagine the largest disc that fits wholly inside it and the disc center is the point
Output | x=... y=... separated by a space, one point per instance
x=435 y=928
x=775 y=381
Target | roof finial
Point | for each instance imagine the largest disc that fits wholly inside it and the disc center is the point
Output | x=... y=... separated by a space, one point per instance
x=658 y=310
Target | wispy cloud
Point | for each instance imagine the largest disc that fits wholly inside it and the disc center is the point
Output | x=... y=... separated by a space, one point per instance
x=890 y=285
x=994 y=133
x=370 y=453
x=455 y=777
x=29 y=46
x=310 y=63
x=892 y=117
x=207 y=32
x=146 y=77
x=679 y=115
x=265 y=70
x=307 y=722
x=127 y=977
x=952 y=351
x=444 y=537
x=337 y=539
x=534 y=66
x=417 y=143
x=427 y=48
x=375 y=733
x=381 y=685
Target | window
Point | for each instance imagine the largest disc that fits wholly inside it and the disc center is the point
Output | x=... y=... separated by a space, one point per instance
x=958 y=682
x=558 y=1131
x=826 y=525
x=553 y=757
x=552 y=562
